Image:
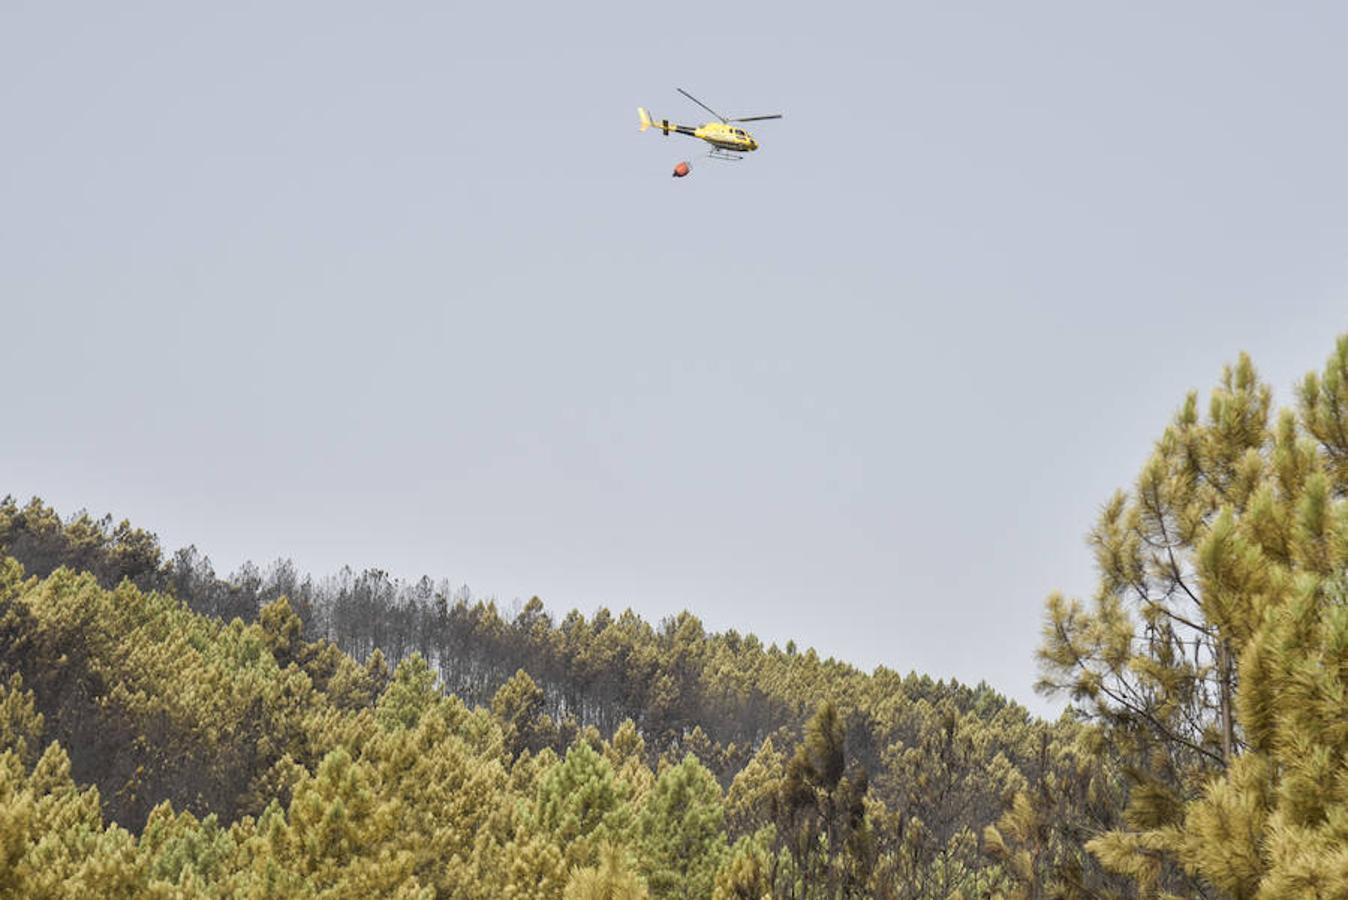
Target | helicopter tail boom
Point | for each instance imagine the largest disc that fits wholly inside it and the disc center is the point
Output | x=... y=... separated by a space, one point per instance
x=666 y=127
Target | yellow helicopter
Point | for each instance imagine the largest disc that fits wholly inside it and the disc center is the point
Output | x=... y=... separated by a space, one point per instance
x=727 y=141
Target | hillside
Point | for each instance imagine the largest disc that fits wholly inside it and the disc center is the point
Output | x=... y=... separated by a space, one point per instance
x=165 y=732
x=164 y=719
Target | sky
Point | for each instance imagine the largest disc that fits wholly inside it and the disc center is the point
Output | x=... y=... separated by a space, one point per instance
x=402 y=285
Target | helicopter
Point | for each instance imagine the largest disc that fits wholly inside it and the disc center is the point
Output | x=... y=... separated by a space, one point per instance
x=727 y=141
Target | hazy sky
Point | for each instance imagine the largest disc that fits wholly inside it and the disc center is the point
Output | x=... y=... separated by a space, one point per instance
x=401 y=285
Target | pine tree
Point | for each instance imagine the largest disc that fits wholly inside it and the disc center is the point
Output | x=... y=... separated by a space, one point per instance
x=519 y=706
x=341 y=834
x=611 y=879
x=1215 y=655
x=20 y=723
x=411 y=693
x=581 y=804
x=681 y=831
x=282 y=630
x=752 y=802
x=747 y=873
x=533 y=870
x=824 y=808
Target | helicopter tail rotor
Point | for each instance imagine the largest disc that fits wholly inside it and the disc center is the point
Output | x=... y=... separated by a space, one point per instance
x=645 y=118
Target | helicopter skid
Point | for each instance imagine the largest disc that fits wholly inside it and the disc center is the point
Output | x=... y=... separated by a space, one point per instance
x=726 y=155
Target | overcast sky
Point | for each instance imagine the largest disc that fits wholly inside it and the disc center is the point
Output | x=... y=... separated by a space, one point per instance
x=401 y=285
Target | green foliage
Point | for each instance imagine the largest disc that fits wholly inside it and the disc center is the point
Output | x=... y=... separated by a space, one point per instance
x=281 y=630
x=681 y=831
x=533 y=869
x=411 y=693
x=611 y=879
x=248 y=761
x=1215 y=655
x=35 y=535
x=747 y=873
x=823 y=808
x=753 y=801
x=341 y=831
x=519 y=707
x=20 y=722
x=582 y=804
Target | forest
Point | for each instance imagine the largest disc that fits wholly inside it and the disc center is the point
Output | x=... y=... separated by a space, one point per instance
x=167 y=731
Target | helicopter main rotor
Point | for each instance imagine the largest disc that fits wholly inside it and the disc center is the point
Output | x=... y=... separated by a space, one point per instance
x=721 y=117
